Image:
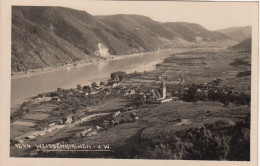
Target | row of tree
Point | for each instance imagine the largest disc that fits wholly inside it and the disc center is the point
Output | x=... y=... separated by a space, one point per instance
x=193 y=94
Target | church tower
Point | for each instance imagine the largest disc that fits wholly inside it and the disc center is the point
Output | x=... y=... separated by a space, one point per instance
x=163 y=89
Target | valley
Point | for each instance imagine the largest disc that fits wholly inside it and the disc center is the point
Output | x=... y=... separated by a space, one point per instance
x=125 y=86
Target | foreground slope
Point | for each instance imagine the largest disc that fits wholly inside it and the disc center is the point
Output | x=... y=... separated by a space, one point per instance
x=244 y=45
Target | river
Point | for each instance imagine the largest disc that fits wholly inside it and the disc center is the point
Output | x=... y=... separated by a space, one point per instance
x=25 y=87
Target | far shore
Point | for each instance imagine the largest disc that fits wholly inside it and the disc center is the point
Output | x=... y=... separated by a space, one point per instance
x=81 y=63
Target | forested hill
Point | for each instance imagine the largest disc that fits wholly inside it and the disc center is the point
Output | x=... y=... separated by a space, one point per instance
x=53 y=36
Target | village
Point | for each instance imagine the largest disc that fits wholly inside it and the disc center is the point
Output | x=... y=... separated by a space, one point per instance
x=71 y=104
x=68 y=111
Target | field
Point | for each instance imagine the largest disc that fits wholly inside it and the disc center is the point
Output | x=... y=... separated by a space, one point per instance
x=27 y=122
x=66 y=132
x=204 y=66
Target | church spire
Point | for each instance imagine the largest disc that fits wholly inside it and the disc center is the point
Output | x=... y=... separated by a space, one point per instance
x=163 y=88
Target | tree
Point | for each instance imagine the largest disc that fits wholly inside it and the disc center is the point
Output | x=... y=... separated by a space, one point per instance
x=118 y=76
x=86 y=87
x=79 y=87
x=102 y=83
x=94 y=84
x=191 y=95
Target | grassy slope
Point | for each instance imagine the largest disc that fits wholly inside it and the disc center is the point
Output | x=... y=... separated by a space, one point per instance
x=158 y=127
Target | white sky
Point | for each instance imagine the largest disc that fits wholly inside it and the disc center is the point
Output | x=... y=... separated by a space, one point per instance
x=211 y=15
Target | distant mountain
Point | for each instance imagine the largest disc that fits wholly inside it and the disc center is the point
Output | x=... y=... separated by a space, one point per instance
x=237 y=33
x=243 y=46
x=53 y=36
x=148 y=28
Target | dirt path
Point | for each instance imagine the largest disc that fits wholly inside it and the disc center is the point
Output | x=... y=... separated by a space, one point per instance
x=87 y=118
x=182 y=79
x=93 y=109
x=184 y=122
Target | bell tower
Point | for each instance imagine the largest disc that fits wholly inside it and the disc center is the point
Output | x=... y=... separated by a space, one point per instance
x=163 y=89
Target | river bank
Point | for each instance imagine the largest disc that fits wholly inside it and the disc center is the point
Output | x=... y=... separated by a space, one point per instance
x=96 y=60
x=81 y=63
x=30 y=73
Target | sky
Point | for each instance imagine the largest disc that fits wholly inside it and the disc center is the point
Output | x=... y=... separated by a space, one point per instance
x=211 y=15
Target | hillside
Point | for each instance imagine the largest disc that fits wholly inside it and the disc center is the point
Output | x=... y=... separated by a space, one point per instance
x=47 y=36
x=237 y=33
x=55 y=36
x=243 y=46
x=146 y=27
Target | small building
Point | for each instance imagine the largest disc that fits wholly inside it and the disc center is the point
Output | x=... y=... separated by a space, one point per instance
x=126 y=94
x=115 y=84
x=93 y=91
x=166 y=100
x=30 y=137
x=94 y=132
x=81 y=91
x=132 y=92
x=86 y=131
x=55 y=99
x=67 y=120
x=153 y=95
x=116 y=114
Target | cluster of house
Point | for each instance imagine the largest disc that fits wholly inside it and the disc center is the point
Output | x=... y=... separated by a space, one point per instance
x=154 y=95
x=147 y=94
x=110 y=121
x=117 y=85
x=114 y=120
